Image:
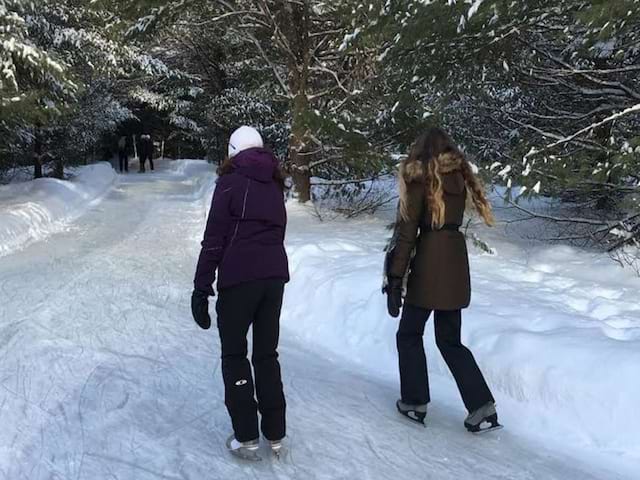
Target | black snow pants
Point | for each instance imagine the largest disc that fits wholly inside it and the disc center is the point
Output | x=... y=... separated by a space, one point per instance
x=256 y=304
x=143 y=161
x=124 y=161
x=414 y=380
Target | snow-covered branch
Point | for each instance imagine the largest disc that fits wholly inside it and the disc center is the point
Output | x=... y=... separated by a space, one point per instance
x=590 y=128
x=283 y=85
x=334 y=183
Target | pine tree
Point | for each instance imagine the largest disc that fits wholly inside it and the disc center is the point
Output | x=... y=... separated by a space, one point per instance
x=544 y=93
x=55 y=57
x=318 y=68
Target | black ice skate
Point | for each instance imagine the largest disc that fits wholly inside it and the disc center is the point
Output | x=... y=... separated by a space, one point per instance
x=416 y=413
x=482 y=420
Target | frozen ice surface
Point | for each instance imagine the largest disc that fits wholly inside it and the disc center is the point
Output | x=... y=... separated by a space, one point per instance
x=104 y=375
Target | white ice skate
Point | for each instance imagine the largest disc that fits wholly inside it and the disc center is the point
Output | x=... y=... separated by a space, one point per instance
x=244 y=450
x=276 y=448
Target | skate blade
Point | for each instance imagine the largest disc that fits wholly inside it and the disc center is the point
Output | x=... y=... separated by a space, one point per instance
x=243 y=454
x=413 y=421
x=415 y=417
x=492 y=428
x=247 y=456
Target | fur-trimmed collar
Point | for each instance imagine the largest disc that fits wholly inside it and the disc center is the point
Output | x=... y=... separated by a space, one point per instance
x=412 y=170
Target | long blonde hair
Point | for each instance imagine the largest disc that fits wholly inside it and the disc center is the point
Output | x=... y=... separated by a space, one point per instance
x=436 y=153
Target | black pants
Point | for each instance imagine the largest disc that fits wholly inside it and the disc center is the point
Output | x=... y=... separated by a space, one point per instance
x=414 y=379
x=254 y=303
x=124 y=161
x=143 y=161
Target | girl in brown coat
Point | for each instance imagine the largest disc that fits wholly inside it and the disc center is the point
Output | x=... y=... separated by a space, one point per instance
x=435 y=182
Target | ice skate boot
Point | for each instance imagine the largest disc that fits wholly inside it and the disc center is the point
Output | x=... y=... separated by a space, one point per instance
x=244 y=450
x=416 y=413
x=482 y=420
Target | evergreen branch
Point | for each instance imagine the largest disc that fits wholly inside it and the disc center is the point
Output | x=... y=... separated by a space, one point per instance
x=571 y=138
x=585 y=221
x=334 y=183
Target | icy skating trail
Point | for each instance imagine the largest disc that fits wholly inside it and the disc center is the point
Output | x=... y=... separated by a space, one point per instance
x=104 y=375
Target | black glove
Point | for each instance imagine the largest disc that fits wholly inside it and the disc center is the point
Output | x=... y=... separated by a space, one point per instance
x=200 y=309
x=394 y=296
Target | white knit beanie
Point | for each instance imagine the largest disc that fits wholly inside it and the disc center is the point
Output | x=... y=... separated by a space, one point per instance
x=244 y=138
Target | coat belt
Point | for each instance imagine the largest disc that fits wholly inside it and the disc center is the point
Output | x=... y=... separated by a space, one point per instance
x=450 y=227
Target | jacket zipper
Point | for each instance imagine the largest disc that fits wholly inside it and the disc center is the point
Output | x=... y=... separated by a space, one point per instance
x=235 y=233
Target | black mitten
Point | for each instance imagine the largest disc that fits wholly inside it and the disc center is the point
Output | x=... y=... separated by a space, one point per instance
x=394 y=296
x=200 y=309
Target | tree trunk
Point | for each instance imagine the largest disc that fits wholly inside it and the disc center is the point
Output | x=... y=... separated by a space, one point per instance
x=297 y=26
x=297 y=145
x=58 y=169
x=37 y=155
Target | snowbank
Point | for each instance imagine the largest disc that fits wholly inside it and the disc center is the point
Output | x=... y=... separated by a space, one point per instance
x=555 y=329
x=105 y=375
x=197 y=175
x=32 y=211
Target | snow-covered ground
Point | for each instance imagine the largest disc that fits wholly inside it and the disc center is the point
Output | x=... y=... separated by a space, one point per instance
x=33 y=210
x=556 y=330
x=104 y=375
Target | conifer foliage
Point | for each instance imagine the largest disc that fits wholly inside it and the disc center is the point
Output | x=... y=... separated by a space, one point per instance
x=544 y=95
x=65 y=78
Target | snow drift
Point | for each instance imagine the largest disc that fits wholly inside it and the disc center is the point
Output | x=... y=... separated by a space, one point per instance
x=556 y=331
x=34 y=210
x=558 y=343
x=105 y=374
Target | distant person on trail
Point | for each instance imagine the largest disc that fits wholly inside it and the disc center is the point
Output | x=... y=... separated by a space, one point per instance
x=244 y=242
x=146 y=152
x=427 y=246
x=123 y=154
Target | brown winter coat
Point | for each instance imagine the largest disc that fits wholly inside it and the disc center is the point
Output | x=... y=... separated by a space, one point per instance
x=439 y=271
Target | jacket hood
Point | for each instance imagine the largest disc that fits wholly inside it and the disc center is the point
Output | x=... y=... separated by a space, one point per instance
x=414 y=171
x=256 y=163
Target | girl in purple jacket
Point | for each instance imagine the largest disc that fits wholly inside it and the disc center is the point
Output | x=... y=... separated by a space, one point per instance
x=244 y=243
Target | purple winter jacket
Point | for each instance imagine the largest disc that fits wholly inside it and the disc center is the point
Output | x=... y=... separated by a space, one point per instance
x=244 y=238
